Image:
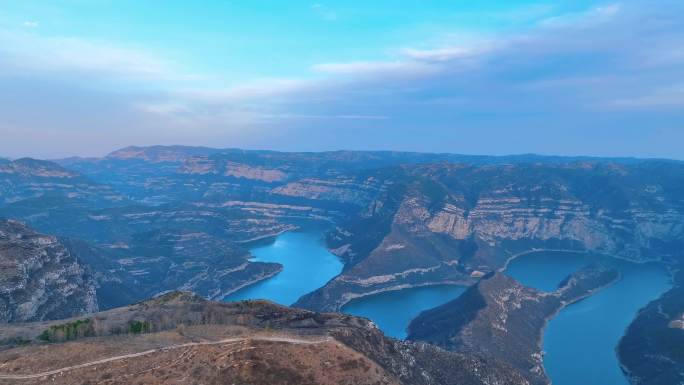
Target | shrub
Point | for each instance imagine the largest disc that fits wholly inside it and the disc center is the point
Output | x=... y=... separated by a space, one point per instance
x=137 y=327
x=68 y=331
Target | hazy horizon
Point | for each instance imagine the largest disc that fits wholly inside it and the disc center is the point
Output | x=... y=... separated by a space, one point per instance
x=559 y=77
x=106 y=153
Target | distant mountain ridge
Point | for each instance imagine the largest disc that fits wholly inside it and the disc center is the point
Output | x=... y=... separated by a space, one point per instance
x=159 y=153
x=27 y=178
x=395 y=218
x=145 y=221
x=26 y=167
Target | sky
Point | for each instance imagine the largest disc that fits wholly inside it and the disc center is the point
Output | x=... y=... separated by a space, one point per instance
x=580 y=77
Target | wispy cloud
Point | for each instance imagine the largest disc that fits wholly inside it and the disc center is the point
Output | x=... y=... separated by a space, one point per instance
x=325 y=117
x=444 y=53
x=613 y=68
x=371 y=68
x=660 y=98
x=28 y=51
x=598 y=14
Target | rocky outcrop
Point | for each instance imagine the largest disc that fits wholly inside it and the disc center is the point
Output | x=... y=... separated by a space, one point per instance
x=213 y=166
x=39 y=278
x=343 y=190
x=500 y=318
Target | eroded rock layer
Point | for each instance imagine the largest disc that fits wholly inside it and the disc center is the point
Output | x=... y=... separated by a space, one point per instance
x=39 y=278
x=450 y=223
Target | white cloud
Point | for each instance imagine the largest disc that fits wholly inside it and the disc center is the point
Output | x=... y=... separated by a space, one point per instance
x=322 y=117
x=599 y=14
x=569 y=73
x=30 y=24
x=27 y=51
x=663 y=97
x=442 y=54
x=258 y=89
x=375 y=67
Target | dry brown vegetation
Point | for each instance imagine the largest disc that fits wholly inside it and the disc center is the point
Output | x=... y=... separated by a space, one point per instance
x=248 y=361
x=180 y=338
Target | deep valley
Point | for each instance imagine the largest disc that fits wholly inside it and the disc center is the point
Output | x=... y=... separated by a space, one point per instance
x=88 y=235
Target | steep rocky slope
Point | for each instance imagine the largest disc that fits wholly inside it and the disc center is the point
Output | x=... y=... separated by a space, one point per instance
x=39 y=278
x=180 y=337
x=500 y=318
x=45 y=277
x=652 y=350
x=145 y=220
x=448 y=223
x=136 y=250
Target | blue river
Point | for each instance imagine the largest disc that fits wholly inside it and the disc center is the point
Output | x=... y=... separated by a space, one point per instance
x=392 y=311
x=580 y=341
x=307 y=265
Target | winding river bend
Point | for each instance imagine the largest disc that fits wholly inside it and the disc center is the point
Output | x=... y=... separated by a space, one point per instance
x=307 y=265
x=580 y=341
x=392 y=311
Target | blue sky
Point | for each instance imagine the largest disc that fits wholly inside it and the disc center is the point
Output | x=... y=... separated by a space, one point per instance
x=488 y=77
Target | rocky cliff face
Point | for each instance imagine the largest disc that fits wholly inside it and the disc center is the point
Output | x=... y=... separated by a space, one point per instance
x=398 y=219
x=452 y=222
x=500 y=318
x=39 y=278
x=151 y=219
x=137 y=248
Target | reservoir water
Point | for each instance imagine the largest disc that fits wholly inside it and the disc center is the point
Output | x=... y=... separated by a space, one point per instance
x=392 y=311
x=307 y=265
x=580 y=341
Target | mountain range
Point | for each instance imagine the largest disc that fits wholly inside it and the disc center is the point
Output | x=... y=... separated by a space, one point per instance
x=100 y=234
